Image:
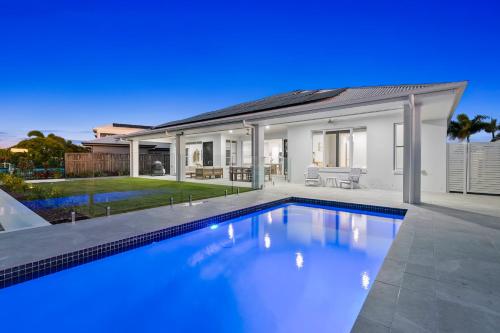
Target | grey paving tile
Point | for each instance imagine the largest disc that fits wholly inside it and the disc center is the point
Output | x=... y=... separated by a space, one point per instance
x=399 y=252
x=471 y=273
x=457 y=317
x=467 y=297
x=424 y=241
x=364 y=325
x=458 y=245
x=420 y=284
x=425 y=270
x=421 y=256
x=391 y=272
x=415 y=310
x=380 y=304
x=403 y=325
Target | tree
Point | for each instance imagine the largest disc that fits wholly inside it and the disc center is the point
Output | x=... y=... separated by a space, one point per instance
x=47 y=151
x=464 y=127
x=35 y=133
x=492 y=127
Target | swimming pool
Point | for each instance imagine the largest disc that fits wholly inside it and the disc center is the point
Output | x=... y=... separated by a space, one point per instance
x=290 y=268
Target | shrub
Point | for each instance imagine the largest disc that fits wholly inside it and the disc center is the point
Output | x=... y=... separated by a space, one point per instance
x=45 y=192
x=14 y=183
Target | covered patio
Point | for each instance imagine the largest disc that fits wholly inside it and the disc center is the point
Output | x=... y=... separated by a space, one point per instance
x=396 y=136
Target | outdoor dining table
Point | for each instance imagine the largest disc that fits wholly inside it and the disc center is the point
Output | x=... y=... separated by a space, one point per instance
x=244 y=174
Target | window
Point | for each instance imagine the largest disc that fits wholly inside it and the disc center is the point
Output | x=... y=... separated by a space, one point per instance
x=337 y=149
x=360 y=150
x=340 y=149
x=230 y=152
x=398 y=147
x=317 y=140
x=247 y=152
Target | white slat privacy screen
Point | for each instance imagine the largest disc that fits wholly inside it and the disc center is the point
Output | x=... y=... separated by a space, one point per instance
x=474 y=168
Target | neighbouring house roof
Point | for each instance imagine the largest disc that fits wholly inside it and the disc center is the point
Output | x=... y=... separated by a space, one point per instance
x=118 y=129
x=112 y=140
x=302 y=97
x=130 y=126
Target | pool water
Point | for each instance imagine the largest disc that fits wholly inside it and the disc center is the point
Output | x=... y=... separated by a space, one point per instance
x=291 y=268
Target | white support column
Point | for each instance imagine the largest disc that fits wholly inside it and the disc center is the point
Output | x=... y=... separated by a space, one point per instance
x=173 y=155
x=180 y=157
x=134 y=158
x=412 y=166
x=258 y=173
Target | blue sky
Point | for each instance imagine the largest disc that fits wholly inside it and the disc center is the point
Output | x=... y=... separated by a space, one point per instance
x=68 y=66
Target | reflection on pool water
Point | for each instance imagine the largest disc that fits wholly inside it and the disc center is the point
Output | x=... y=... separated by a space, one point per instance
x=292 y=268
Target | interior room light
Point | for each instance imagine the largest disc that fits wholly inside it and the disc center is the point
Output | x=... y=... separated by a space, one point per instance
x=267 y=241
x=268 y=127
x=299 y=260
x=365 y=280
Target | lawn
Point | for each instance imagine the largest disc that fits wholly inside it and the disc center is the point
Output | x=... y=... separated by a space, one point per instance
x=95 y=192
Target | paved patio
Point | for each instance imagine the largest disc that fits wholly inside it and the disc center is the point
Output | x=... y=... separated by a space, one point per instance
x=441 y=273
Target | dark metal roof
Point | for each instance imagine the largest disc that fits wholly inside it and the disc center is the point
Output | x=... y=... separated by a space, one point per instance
x=293 y=98
x=300 y=97
x=131 y=126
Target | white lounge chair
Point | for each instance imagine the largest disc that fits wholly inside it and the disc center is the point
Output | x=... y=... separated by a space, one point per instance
x=351 y=179
x=312 y=176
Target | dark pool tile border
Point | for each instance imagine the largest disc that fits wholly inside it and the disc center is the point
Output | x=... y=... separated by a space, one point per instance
x=33 y=270
x=347 y=205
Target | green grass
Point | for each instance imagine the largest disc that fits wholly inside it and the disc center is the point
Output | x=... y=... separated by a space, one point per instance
x=162 y=191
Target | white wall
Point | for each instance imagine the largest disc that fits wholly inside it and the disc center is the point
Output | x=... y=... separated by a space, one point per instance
x=434 y=134
x=380 y=152
x=216 y=139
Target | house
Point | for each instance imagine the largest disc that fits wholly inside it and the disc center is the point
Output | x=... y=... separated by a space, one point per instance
x=18 y=150
x=395 y=133
x=109 y=140
x=117 y=129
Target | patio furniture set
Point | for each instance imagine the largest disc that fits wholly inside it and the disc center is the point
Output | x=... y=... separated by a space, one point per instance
x=204 y=172
x=313 y=178
x=244 y=174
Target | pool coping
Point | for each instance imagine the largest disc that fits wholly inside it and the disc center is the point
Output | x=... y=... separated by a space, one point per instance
x=32 y=270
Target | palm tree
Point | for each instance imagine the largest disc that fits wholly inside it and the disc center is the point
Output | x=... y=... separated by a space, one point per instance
x=492 y=127
x=464 y=127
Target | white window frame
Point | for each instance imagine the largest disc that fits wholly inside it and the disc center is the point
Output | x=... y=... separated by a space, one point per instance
x=232 y=153
x=394 y=149
x=351 y=145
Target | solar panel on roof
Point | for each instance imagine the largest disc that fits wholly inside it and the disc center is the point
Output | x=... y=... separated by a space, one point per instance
x=299 y=97
x=292 y=98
